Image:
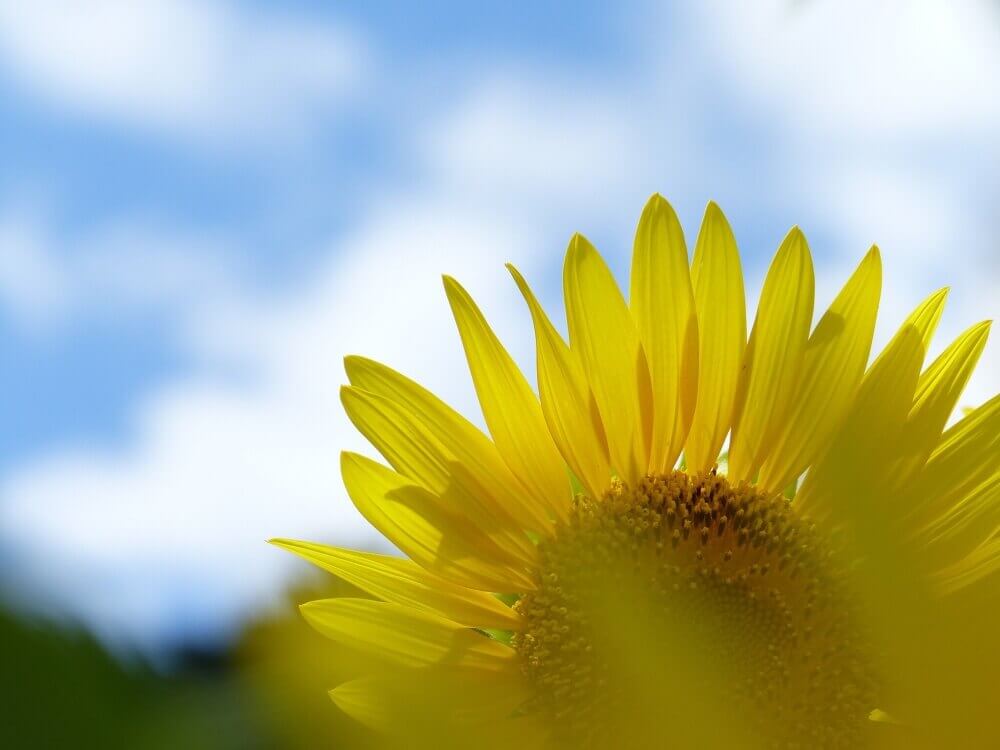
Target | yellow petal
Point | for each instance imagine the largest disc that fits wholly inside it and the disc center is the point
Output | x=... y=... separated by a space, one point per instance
x=415 y=520
x=773 y=358
x=404 y=582
x=722 y=331
x=369 y=701
x=469 y=447
x=937 y=393
x=568 y=405
x=834 y=364
x=433 y=708
x=406 y=637
x=951 y=493
x=965 y=526
x=857 y=464
x=603 y=337
x=975 y=568
x=510 y=408
x=924 y=319
x=412 y=450
x=662 y=303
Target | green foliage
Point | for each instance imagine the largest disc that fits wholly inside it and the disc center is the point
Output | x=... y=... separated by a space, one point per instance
x=62 y=689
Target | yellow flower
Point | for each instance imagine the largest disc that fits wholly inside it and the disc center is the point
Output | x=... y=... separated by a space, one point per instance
x=589 y=576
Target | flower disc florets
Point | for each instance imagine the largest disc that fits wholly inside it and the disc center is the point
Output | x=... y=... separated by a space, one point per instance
x=684 y=597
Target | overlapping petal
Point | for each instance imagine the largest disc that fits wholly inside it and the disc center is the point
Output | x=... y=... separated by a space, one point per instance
x=407 y=637
x=416 y=521
x=468 y=447
x=404 y=582
x=412 y=449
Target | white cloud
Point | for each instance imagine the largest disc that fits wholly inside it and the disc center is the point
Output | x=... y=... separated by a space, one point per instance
x=124 y=268
x=546 y=142
x=196 y=69
x=894 y=69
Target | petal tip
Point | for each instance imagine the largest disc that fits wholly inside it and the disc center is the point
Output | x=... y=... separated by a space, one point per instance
x=657 y=202
x=352 y=363
x=516 y=275
x=714 y=211
x=579 y=248
x=349 y=459
x=714 y=215
x=938 y=296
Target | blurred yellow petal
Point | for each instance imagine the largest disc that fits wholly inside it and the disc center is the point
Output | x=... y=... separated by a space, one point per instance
x=722 y=331
x=834 y=364
x=967 y=453
x=412 y=450
x=952 y=502
x=965 y=448
x=370 y=700
x=459 y=437
x=603 y=336
x=431 y=708
x=977 y=566
x=406 y=637
x=568 y=405
x=510 y=408
x=773 y=357
x=966 y=526
x=937 y=394
x=415 y=520
x=662 y=302
x=404 y=582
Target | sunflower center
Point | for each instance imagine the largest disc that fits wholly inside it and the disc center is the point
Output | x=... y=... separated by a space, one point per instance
x=686 y=604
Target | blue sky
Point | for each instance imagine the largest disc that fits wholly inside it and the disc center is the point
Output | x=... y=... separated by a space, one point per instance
x=204 y=206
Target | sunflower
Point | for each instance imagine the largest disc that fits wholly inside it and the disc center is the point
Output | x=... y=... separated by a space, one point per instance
x=599 y=572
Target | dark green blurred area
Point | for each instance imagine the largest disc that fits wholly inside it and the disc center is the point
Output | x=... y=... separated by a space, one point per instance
x=62 y=689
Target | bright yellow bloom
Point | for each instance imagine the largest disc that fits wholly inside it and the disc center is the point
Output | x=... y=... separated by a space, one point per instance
x=588 y=576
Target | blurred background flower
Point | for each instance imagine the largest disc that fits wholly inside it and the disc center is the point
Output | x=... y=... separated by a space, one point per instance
x=198 y=201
